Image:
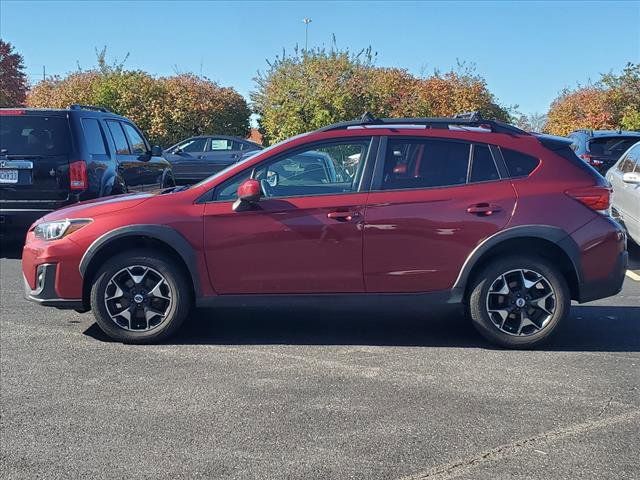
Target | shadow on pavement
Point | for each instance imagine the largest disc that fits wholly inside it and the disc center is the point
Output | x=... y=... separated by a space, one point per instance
x=11 y=247
x=589 y=328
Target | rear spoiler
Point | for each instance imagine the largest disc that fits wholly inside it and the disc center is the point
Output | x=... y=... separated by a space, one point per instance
x=553 y=142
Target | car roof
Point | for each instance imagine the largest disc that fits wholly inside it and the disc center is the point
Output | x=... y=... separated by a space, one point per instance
x=607 y=133
x=64 y=111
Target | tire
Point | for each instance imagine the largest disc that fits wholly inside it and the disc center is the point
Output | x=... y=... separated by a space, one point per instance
x=501 y=317
x=158 y=303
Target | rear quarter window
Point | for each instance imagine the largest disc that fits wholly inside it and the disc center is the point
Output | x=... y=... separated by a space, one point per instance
x=519 y=164
x=94 y=136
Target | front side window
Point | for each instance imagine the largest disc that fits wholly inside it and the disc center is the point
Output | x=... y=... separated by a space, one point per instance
x=630 y=161
x=138 y=145
x=119 y=139
x=425 y=163
x=193 y=145
x=323 y=169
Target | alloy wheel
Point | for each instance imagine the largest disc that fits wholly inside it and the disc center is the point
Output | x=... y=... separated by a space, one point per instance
x=138 y=298
x=521 y=302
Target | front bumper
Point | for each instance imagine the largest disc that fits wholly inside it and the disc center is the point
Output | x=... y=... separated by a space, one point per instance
x=45 y=292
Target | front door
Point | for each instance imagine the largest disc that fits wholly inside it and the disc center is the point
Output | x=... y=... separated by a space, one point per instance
x=131 y=168
x=304 y=236
x=432 y=203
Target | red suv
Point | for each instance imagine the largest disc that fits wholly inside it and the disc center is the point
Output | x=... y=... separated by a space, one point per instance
x=432 y=211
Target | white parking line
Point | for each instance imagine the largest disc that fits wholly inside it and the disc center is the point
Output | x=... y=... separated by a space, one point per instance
x=633 y=275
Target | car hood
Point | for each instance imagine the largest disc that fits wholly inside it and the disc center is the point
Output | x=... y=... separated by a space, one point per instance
x=99 y=206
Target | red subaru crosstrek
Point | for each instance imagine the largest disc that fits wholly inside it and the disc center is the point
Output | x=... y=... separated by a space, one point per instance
x=428 y=211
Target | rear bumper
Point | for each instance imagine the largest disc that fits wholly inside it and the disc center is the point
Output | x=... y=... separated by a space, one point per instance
x=607 y=287
x=45 y=291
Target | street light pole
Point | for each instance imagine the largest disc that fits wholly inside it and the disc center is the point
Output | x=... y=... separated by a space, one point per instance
x=306 y=22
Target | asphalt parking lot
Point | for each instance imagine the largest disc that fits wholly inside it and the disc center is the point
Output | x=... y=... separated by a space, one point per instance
x=281 y=394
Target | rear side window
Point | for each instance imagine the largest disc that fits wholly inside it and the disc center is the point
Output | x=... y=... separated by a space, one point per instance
x=483 y=168
x=519 y=164
x=122 y=147
x=222 y=144
x=631 y=161
x=425 y=164
x=36 y=135
x=138 y=146
x=93 y=136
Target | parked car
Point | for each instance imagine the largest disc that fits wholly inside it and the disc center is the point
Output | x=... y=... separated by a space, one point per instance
x=51 y=158
x=197 y=158
x=601 y=148
x=425 y=212
x=624 y=176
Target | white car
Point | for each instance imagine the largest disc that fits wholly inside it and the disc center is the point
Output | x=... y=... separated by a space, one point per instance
x=624 y=176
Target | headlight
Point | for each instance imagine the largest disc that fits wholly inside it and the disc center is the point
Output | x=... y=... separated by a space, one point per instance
x=60 y=228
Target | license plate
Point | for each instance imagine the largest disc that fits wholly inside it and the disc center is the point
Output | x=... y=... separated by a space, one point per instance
x=8 y=176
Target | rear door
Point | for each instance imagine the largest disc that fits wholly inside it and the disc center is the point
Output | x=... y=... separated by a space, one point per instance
x=130 y=167
x=35 y=148
x=220 y=153
x=432 y=202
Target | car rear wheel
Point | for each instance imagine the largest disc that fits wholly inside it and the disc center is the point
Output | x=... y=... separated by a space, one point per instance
x=140 y=297
x=517 y=302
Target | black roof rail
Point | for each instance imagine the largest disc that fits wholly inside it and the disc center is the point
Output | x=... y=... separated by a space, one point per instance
x=469 y=119
x=77 y=106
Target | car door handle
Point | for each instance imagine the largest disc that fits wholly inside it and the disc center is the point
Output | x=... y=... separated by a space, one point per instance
x=484 y=209
x=343 y=216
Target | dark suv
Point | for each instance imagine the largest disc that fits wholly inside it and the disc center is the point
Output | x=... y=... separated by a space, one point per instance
x=602 y=148
x=52 y=158
x=412 y=212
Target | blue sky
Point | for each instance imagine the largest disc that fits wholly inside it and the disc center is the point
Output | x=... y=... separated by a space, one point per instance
x=527 y=51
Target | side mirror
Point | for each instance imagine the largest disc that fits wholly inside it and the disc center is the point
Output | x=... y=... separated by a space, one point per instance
x=156 y=151
x=177 y=151
x=631 y=177
x=249 y=193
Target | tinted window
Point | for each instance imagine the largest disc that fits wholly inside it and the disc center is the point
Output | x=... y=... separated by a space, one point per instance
x=483 y=168
x=193 y=145
x=425 y=163
x=519 y=164
x=138 y=147
x=325 y=169
x=93 y=136
x=122 y=147
x=34 y=135
x=611 y=147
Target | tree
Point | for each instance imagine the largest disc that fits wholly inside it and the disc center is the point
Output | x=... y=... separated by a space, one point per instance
x=13 y=81
x=534 y=122
x=612 y=102
x=311 y=89
x=167 y=109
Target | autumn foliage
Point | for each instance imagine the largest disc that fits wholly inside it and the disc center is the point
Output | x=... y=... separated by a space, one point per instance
x=167 y=109
x=312 y=89
x=611 y=103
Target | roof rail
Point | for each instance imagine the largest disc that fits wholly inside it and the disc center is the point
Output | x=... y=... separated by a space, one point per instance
x=469 y=119
x=77 y=106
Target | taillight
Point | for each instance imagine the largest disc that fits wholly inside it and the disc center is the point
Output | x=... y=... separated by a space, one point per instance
x=78 y=175
x=596 y=197
x=590 y=160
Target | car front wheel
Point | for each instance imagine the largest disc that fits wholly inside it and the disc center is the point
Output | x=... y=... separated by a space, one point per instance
x=140 y=297
x=517 y=302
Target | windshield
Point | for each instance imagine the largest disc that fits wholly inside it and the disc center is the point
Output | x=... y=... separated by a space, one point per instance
x=244 y=160
x=35 y=135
